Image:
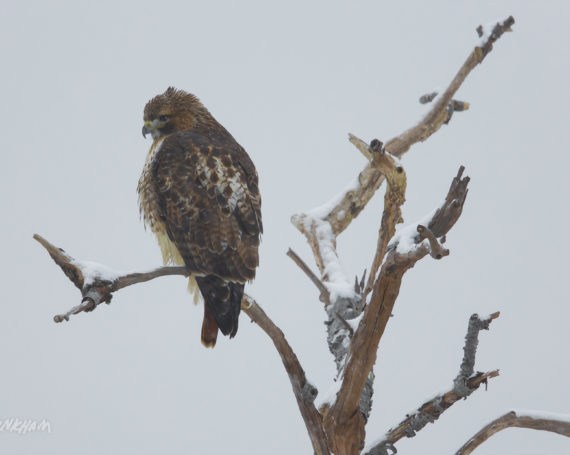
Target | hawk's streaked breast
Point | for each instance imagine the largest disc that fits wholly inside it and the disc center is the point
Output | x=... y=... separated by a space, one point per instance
x=148 y=206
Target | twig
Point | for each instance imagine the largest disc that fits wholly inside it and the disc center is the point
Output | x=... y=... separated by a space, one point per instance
x=515 y=419
x=325 y=295
x=453 y=106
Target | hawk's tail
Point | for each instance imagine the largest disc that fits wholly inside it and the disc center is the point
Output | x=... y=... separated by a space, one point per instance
x=222 y=304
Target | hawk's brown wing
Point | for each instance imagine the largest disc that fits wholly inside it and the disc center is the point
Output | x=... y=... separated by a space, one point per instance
x=208 y=199
x=209 y=202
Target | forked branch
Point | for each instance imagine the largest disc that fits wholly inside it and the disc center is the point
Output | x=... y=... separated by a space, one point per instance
x=431 y=410
x=395 y=254
x=428 y=412
x=97 y=284
x=353 y=201
x=393 y=171
x=403 y=251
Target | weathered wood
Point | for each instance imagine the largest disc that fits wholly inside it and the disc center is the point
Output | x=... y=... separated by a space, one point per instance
x=340 y=428
x=101 y=290
x=510 y=420
x=464 y=384
x=370 y=179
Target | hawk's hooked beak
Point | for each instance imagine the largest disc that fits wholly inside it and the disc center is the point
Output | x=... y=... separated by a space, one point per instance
x=146 y=129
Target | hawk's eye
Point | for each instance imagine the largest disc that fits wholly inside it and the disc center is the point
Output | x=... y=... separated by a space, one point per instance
x=163 y=118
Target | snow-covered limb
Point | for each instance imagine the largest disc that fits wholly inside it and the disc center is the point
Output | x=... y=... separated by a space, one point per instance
x=97 y=284
x=343 y=211
x=344 y=208
x=436 y=251
x=341 y=419
x=416 y=240
x=476 y=324
x=521 y=419
x=465 y=384
x=348 y=304
x=343 y=300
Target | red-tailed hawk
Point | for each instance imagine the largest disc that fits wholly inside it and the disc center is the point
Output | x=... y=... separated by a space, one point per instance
x=199 y=194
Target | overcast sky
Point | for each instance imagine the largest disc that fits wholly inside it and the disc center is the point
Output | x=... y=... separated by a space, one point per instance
x=289 y=80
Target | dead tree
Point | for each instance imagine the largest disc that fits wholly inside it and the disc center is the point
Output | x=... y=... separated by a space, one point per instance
x=357 y=312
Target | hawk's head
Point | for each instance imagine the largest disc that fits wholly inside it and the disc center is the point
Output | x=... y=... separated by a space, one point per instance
x=174 y=111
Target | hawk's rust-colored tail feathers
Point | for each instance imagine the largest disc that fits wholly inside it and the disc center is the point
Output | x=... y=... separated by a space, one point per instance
x=209 y=329
x=222 y=305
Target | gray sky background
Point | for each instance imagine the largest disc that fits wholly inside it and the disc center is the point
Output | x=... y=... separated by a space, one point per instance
x=289 y=80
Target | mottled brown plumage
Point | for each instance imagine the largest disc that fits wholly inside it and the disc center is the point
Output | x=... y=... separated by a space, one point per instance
x=199 y=194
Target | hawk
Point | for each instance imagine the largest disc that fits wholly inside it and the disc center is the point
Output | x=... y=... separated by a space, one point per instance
x=198 y=193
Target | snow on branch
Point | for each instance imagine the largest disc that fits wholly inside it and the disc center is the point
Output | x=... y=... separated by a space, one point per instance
x=344 y=208
x=432 y=409
x=97 y=284
x=556 y=423
x=342 y=417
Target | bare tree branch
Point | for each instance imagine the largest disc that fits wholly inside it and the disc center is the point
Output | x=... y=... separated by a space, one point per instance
x=428 y=412
x=325 y=295
x=476 y=324
x=332 y=221
x=369 y=180
x=305 y=393
x=436 y=251
x=431 y=410
x=340 y=428
x=342 y=419
x=394 y=173
x=517 y=419
x=453 y=106
x=97 y=284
